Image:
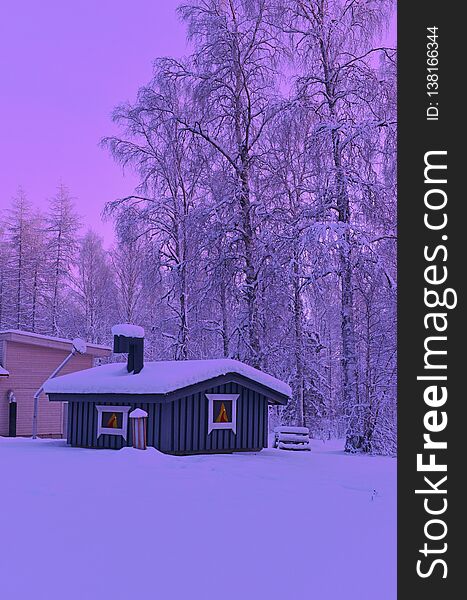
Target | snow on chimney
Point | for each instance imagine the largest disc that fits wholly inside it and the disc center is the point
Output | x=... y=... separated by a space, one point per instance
x=130 y=339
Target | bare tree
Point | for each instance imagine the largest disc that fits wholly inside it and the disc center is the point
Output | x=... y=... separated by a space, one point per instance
x=235 y=99
x=94 y=289
x=265 y=225
x=20 y=233
x=170 y=165
x=36 y=284
x=127 y=261
x=334 y=40
x=62 y=227
x=5 y=287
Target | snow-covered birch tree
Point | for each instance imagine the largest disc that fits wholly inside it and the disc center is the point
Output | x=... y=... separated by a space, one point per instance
x=62 y=228
x=94 y=290
x=20 y=234
x=335 y=42
x=231 y=76
x=170 y=166
x=127 y=263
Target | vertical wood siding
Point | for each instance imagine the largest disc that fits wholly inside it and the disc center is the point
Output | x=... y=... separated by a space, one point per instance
x=189 y=423
x=82 y=426
x=180 y=426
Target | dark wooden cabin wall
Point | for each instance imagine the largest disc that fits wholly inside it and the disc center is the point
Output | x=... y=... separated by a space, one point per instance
x=180 y=426
x=189 y=422
x=82 y=426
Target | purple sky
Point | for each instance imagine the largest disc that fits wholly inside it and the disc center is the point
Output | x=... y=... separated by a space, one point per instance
x=64 y=65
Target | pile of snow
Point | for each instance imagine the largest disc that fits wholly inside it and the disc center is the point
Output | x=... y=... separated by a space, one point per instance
x=288 y=429
x=292 y=438
x=97 y=524
x=288 y=445
x=3 y=372
x=128 y=330
x=79 y=345
x=138 y=413
x=159 y=377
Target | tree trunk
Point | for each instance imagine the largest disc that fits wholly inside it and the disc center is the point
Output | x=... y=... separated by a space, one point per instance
x=56 y=286
x=225 y=318
x=34 y=300
x=251 y=283
x=19 y=298
x=349 y=359
x=349 y=354
x=298 y=328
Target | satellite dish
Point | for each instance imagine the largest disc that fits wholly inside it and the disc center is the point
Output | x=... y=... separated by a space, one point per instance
x=79 y=345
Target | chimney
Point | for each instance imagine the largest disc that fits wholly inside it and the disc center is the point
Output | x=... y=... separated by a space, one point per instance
x=130 y=339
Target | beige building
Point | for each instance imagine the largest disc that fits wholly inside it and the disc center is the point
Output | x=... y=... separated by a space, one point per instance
x=26 y=361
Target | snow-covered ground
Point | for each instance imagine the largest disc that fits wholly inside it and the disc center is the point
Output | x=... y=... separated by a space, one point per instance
x=110 y=525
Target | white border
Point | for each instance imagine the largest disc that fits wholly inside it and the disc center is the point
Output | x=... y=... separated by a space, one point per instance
x=111 y=430
x=211 y=424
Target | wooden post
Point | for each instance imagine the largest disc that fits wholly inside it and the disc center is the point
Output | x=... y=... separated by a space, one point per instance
x=138 y=421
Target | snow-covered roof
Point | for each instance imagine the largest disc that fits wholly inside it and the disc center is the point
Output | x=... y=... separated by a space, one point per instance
x=128 y=330
x=160 y=377
x=3 y=372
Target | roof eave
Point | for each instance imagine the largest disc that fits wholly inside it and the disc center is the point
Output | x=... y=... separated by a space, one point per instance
x=25 y=337
x=273 y=396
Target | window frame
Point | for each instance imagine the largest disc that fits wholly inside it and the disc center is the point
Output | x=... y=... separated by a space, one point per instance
x=212 y=426
x=123 y=430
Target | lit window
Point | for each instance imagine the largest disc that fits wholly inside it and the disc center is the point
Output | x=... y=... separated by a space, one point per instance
x=112 y=420
x=222 y=411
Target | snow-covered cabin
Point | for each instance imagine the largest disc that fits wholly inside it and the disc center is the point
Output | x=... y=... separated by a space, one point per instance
x=26 y=360
x=193 y=406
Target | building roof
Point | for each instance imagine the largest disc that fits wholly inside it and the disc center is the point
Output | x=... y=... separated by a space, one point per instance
x=3 y=372
x=36 y=339
x=162 y=377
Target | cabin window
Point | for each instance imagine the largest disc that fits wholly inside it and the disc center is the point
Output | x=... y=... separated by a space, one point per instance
x=222 y=411
x=112 y=420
